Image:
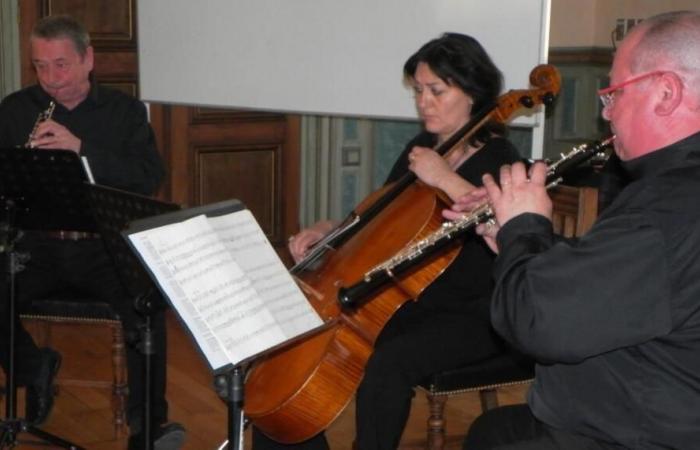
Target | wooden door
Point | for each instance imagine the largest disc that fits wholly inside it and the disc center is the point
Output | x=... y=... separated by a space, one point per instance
x=217 y=154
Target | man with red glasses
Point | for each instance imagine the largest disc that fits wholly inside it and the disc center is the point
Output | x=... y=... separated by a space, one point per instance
x=613 y=318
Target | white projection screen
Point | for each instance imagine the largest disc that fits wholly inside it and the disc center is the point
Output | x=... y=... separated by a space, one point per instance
x=329 y=57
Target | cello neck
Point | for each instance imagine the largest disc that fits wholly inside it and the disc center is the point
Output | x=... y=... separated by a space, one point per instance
x=358 y=218
x=547 y=80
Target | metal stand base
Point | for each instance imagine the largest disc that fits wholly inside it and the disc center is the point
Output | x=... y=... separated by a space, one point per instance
x=11 y=426
x=230 y=387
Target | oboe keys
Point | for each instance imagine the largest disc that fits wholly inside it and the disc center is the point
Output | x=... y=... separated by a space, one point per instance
x=43 y=117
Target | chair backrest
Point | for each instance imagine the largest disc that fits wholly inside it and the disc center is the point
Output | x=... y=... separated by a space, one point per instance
x=574 y=209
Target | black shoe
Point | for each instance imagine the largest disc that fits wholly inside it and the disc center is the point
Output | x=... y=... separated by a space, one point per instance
x=40 y=392
x=166 y=437
x=169 y=437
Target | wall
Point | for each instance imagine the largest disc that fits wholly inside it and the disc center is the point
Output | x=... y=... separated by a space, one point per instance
x=576 y=23
x=580 y=45
x=354 y=70
x=572 y=23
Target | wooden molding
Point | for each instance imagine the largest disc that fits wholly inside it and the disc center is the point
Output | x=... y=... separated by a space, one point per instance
x=581 y=55
x=202 y=115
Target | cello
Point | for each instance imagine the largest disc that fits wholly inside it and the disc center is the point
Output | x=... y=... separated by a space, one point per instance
x=297 y=391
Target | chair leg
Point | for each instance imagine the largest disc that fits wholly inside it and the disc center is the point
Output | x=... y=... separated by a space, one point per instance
x=119 y=388
x=436 y=422
x=489 y=399
x=42 y=338
x=43 y=333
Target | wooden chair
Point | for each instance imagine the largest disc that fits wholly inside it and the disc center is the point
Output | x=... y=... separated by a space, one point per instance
x=574 y=211
x=74 y=312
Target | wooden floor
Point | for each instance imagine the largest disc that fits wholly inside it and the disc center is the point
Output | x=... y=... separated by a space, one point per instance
x=83 y=415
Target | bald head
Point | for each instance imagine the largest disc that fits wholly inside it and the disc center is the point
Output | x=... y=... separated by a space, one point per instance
x=657 y=72
x=670 y=41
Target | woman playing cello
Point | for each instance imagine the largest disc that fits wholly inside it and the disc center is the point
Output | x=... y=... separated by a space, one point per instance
x=448 y=324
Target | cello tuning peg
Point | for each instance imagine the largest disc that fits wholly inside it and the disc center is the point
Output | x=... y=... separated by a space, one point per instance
x=548 y=98
x=527 y=101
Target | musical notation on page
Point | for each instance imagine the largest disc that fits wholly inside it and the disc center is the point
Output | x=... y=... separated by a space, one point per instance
x=227 y=283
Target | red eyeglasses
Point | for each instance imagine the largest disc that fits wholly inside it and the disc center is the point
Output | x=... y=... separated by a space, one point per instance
x=607 y=95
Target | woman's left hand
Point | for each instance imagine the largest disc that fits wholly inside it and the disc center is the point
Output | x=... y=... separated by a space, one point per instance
x=433 y=170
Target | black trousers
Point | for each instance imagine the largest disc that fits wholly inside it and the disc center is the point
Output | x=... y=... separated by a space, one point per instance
x=85 y=269
x=420 y=339
x=516 y=428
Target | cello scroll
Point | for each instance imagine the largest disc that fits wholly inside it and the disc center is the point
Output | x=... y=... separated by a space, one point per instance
x=546 y=81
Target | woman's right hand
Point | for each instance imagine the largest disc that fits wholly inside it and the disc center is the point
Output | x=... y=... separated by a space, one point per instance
x=465 y=205
x=300 y=243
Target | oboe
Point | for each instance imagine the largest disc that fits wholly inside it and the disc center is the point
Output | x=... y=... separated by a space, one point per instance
x=43 y=117
x=449 y=231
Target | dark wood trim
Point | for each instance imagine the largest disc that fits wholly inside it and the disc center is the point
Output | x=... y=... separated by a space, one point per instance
x=180 y=161
x=202 y=115
x=581 y=55
x=291 y=158
x=30 y=12
x=120 y=37
x=160 y=122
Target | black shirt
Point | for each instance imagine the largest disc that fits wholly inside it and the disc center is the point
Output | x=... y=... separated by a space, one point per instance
x=614 y=317
x=116 y=137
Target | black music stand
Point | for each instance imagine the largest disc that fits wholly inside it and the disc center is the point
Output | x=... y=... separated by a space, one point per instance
x=229 y=381
x=229 y=377
x=113 y=210
x=230 y=386
x=39 y=190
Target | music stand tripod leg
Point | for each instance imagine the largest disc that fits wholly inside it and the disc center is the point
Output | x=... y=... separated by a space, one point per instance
x=230 y=387
x=235 y=407
x=148 y=304
x=147 y=349
x=12 y=425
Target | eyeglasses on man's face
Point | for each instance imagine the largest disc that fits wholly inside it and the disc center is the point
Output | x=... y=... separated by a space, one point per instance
x=607 y=95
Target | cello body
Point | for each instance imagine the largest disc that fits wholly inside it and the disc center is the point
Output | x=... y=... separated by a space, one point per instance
x=297 y=391
x=307 y=384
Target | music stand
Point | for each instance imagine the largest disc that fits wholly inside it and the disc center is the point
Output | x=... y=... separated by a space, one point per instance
x=230 y=386
x=229 y=370
x=113 y=210
x=39 y=190
x=229 y=381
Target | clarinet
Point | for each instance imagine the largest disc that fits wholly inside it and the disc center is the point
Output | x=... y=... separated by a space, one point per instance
x=43 y=117
x=450 y=230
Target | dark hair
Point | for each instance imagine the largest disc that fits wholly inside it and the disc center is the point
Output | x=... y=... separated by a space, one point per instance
x=63 y=27
x=459 y=60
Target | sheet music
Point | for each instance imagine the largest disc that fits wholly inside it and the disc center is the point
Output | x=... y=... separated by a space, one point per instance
x=270 y=279
x=227 y=283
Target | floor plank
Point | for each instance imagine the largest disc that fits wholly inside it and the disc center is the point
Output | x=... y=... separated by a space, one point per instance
x=83 y=415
